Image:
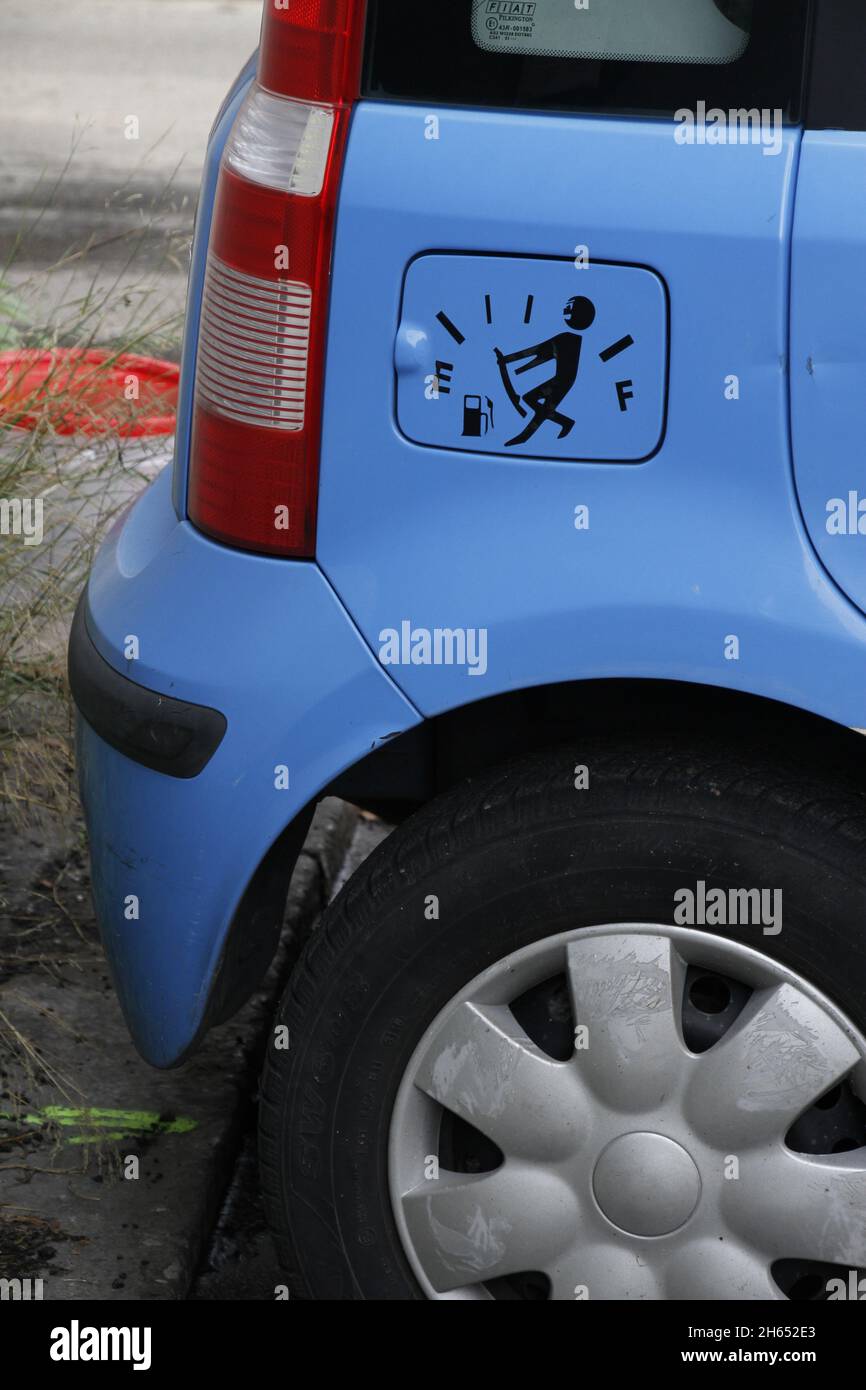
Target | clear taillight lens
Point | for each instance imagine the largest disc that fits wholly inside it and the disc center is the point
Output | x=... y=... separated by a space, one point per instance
x=281 y=143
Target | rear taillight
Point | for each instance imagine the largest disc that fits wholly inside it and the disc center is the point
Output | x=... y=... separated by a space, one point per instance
x=254 y=457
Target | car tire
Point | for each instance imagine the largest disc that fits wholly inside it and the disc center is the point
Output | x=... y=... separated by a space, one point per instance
x=584 y=851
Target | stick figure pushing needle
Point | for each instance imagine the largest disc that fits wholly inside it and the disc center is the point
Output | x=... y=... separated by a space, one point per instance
x=564 y=350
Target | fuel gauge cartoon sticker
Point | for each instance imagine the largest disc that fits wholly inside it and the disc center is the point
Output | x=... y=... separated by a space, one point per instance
x=562 y=351
x=533 y=366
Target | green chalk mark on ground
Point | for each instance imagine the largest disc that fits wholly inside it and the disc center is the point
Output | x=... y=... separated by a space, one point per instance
x=98 y=1125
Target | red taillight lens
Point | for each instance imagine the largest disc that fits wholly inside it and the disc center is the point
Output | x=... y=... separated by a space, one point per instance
x=311 y=49
x=259 y=373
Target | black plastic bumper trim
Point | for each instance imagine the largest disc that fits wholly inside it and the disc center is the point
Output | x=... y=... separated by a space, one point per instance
x=161 y=733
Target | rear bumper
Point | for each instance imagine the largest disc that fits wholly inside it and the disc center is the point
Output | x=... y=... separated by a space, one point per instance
x=170 y=736
x=252 y=691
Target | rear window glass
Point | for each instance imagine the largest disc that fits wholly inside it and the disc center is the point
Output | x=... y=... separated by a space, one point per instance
x=679 y=31
x=630 y=57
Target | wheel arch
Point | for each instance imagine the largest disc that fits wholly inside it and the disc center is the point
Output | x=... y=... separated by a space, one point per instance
x=431 y=757
x=407 y=771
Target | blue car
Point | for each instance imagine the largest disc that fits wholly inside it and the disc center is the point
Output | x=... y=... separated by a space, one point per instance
x=518 y=496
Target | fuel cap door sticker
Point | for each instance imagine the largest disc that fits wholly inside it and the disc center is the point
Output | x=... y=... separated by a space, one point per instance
x=521 y=356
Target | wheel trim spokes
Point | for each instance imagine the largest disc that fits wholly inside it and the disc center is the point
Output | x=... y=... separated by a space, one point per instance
x=795 y=1206
x=627 y=991
x=569 y=1201
x=715 y=1270
x=780 y=1055
x=472 y=1228
x=595 y=1270
x=483 y=1067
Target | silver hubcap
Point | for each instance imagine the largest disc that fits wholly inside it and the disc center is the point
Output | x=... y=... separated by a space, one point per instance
x=637 y=1168
x=646 y=1184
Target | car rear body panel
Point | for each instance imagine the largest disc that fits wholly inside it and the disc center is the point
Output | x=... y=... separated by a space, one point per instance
x=303 y=698
x=702 y=543
x=828 y=351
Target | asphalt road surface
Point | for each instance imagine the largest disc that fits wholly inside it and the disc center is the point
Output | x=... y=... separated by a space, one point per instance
x=70 y=176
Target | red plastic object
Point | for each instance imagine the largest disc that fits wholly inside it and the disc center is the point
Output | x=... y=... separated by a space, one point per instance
x=88 y=391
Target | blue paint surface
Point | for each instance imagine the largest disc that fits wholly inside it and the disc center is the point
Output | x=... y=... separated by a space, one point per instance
x=266 y=642
x=828 y=351
x=694 y=566
x=579 y=570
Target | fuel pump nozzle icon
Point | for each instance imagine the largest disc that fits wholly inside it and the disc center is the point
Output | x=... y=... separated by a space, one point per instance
x=477 y=421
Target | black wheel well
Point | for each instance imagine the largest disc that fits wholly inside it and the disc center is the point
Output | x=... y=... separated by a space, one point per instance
x=413 y=767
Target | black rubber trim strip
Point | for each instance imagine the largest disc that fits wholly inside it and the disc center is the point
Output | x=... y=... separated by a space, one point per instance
x=161 y=733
